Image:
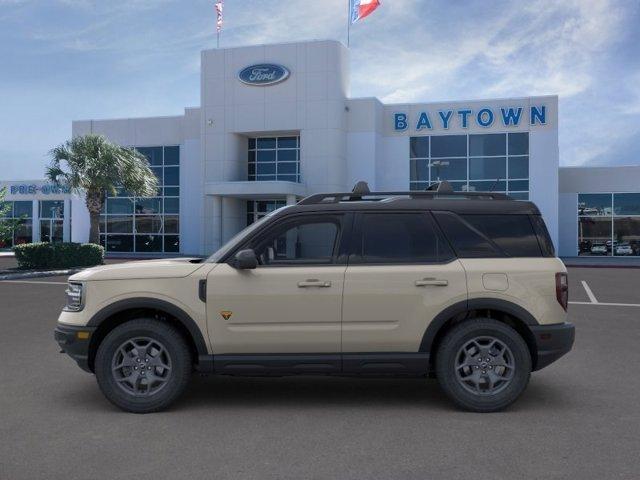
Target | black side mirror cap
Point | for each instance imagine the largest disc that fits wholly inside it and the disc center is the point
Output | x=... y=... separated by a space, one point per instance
x=245 y=260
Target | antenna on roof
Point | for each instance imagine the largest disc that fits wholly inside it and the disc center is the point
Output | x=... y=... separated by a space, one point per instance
x=440 y=187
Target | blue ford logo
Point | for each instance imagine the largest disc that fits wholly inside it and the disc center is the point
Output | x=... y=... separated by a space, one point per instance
x=263 y=74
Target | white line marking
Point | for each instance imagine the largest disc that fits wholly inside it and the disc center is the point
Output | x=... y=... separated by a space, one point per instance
x=590 y=294
x=33 y=281
x=607 y=304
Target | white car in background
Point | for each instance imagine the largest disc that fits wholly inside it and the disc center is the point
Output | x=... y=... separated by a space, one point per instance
x=624 y=249
x=599 y=249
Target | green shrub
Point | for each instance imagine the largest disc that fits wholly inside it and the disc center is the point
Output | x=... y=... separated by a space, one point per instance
x=58 y=255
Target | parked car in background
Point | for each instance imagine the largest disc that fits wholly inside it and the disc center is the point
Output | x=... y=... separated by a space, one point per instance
x=599 y=249
x=624 y=249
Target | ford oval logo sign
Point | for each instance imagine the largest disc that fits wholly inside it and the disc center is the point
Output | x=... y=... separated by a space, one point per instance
x=263 y=74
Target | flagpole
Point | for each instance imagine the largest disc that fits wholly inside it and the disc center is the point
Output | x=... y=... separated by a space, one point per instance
x=348 y=22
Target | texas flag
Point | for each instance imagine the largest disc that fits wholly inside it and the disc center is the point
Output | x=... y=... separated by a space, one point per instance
x=362 y=8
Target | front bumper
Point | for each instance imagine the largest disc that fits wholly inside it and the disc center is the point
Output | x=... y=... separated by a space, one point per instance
x=74 y=341
x=552 y=342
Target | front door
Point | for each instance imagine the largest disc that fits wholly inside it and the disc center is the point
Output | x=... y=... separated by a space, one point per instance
x=289 y=304
x=401 y=274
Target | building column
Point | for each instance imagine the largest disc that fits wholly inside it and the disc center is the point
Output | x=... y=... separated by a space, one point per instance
x=292 y=199
x=66 y=221
x=35 y=222
x=212 y=223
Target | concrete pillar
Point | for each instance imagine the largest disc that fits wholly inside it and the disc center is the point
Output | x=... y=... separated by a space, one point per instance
x=66 y=221
x=212 y=223
x=35 y=222
x=292 y=200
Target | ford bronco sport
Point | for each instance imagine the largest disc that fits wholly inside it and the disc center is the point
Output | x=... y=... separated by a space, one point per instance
x=461 y=286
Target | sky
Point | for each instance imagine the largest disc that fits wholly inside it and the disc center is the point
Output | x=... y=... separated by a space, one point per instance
x=64 y=60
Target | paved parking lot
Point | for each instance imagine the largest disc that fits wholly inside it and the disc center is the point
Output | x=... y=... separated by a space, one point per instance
x=580 y=418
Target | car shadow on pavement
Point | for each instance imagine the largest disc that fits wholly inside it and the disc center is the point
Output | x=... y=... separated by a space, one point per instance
x=209 y=392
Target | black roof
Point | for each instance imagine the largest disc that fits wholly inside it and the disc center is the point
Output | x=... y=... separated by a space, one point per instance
x=440 y=198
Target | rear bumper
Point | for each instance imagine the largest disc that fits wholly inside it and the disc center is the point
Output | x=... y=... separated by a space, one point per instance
x=552 y=342
x=74 y=345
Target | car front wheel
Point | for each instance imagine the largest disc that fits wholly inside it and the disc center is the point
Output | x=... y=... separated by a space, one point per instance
x=483 y=365
x=143 y=365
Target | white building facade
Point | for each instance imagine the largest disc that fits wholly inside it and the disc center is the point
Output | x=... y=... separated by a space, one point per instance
x=276 y=123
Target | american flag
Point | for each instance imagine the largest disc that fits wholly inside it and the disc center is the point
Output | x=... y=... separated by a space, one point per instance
x=219 y=6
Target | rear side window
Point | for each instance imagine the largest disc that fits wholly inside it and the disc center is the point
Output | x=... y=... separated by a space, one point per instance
x=514 y=234
x=467 y=241
x=401 y=238
x=543 y=236
x=477 y=236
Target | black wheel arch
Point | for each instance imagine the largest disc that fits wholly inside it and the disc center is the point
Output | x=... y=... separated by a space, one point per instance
x=119 y=312
x=507 y=312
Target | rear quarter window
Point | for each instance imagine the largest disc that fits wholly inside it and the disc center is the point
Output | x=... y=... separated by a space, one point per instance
x=492 y=235
x=513 y=234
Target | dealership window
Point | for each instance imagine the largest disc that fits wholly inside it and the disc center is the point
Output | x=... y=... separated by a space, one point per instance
x=609 y=224
x=256 y=209
x=51 y=220
x=146 y=224
x=273 y=158
x=497 y=162
x=19 y=213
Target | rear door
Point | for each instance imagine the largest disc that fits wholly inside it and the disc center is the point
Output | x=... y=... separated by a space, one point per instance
x=401 y=274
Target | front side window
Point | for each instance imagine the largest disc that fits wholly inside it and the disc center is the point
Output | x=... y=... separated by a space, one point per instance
x=303 y=242
x=401 y=238
x=273 y=158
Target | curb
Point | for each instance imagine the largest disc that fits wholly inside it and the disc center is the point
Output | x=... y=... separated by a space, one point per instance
x=46 y=273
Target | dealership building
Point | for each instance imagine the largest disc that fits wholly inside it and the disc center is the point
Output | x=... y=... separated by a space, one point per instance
x=276 y=123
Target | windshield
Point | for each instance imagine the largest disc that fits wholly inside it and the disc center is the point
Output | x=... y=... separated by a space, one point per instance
x=240 y=237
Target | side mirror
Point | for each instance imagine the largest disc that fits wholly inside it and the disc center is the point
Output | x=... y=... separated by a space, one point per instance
x=246 y=260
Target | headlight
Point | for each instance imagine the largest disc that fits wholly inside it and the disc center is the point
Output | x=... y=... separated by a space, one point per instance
x=75 y=297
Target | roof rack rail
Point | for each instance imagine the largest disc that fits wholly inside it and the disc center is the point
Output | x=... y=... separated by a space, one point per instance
x=361 y=192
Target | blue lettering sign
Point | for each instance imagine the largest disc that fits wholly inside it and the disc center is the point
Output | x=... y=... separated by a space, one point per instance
x=400 y=121
x=445 y=116
x=485 y=117
x=423 y=121
x=539 y=115
x=511 y=116
x=464 y=116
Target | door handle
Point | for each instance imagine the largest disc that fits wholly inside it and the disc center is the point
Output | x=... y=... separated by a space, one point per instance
x=312 y=282
x=435 y=282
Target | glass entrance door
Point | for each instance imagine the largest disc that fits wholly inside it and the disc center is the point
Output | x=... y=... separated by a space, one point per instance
x=51 y=221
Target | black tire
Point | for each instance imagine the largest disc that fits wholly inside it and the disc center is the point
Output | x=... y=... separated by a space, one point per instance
x=451 y=376
x=161 y=337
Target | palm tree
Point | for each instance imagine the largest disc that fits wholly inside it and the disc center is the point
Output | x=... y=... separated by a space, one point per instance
x=92 y=165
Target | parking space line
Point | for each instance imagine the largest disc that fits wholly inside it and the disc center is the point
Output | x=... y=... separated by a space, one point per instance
x=590 y=294
x=604 y=304
x=33 y=281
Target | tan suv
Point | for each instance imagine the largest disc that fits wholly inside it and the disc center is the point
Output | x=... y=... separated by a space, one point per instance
x=461 y=286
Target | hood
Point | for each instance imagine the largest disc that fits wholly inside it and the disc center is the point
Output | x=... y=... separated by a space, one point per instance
x=164 y=268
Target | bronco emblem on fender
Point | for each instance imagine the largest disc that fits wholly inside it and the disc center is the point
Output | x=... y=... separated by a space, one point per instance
x=226 y=314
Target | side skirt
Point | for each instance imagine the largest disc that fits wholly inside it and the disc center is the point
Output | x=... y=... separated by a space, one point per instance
x=347 y=364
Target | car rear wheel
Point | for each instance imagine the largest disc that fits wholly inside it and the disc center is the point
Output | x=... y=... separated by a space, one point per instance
x=143 y=365
x=483 y=365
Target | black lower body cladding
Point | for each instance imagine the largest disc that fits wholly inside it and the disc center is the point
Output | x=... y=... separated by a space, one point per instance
x=552 y=342
x=74 y=341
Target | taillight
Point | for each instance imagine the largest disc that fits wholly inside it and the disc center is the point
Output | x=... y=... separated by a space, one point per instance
x=562 y=289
